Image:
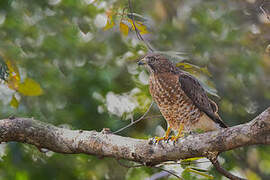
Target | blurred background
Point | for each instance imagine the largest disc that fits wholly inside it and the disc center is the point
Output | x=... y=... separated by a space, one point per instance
x=74 y=62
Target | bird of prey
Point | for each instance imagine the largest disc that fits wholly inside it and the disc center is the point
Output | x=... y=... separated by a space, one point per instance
x=180 y=97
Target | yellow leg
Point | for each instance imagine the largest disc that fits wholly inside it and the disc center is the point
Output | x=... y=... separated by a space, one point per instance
x=179 y=134
x=165 y=137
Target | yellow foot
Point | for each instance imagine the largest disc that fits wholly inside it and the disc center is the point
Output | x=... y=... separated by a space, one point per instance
x=157 y=139
x=166 y=137
x=179 y=134
x=175 y=138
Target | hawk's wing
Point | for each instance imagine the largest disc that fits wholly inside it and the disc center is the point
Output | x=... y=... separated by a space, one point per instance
x=197 y=94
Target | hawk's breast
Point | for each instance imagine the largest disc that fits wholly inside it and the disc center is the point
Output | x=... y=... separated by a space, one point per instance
x=173 y=103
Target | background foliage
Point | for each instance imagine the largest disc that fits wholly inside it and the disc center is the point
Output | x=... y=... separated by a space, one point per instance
x=86 y=77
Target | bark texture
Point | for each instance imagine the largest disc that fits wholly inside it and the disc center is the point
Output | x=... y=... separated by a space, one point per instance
x=106 y=144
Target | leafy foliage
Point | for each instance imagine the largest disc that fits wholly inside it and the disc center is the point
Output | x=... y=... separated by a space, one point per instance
x=12 y=78
x=126 y=20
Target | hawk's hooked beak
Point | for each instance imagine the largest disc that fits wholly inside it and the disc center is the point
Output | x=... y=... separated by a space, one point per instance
x=142 y=61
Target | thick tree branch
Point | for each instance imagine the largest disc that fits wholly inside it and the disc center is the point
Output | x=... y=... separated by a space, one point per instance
x=106 y=144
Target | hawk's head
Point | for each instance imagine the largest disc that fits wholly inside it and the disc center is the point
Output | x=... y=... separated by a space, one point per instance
x=157 y=63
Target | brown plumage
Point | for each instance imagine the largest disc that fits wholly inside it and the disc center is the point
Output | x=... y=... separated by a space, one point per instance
x=180 y=97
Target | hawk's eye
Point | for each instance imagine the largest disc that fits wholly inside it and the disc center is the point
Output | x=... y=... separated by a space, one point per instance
x=151 y=59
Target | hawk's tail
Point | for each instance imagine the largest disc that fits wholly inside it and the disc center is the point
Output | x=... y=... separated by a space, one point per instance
x=216 y=117
x=219 y=121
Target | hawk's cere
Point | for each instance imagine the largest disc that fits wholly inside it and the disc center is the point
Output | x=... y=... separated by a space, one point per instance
x=181 y=99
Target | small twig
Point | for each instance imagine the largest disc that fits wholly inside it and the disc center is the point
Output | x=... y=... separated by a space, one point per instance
x=138 y=34
x=182 y=163
x=140 y=165
x=170 y=172
x=159 y=166
x=134 y=122
x=128 y=166
x=222 y=170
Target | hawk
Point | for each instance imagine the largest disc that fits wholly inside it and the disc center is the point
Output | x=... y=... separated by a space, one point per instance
x=180 y=97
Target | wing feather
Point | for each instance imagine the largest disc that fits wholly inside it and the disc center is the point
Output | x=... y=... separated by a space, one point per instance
x=197 y=94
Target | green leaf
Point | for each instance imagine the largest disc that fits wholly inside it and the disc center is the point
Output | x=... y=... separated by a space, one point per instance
x=191 y=159
x=14 y=102
x=199 y=173
x=198 y=169
x=139 y=25
x=187 y=162
x=14 y=75
x=109 y=24
x=30 y=88
x=21 y=175
x=193 y=69
x=123 y=28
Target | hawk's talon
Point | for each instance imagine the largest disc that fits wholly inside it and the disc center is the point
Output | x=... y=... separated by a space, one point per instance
x=179 y=134
x=175 y=138
x=165 y=138
x=157 y=139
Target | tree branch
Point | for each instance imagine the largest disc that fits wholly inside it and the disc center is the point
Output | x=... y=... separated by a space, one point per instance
x=218 y=167
x=106 y=144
